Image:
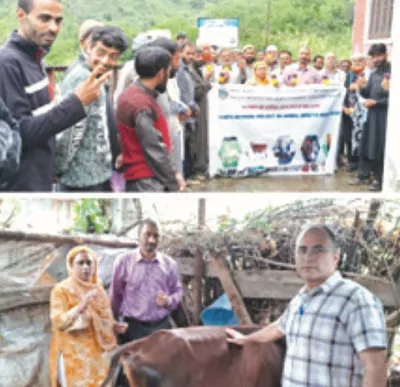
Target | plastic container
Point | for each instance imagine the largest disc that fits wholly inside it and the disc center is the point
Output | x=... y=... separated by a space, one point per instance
x=219 y=313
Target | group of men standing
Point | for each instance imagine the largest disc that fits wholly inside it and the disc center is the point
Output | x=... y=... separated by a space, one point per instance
x=155 y=129
x=77 y=136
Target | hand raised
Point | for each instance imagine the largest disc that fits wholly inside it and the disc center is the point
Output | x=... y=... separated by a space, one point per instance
x=89 y=90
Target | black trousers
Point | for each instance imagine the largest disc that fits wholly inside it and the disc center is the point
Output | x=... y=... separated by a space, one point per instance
x=345 y=140
x=190 y=151
x=137 y=330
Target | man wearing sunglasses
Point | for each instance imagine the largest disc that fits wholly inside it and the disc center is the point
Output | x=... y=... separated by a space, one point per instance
x=334 y=328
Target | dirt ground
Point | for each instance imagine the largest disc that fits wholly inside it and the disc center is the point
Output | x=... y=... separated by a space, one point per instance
x=334 y=183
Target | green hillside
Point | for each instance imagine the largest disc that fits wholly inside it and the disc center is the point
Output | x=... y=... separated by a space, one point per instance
x=325 y=25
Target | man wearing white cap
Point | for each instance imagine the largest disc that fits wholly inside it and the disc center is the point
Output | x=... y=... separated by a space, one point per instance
x=85 y=33
x=271 y=58
x=331 y=72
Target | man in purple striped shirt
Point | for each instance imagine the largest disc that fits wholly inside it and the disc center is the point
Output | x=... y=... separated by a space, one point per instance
x=145 y=288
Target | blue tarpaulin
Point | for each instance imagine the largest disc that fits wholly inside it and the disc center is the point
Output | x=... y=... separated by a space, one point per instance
x=219 y=313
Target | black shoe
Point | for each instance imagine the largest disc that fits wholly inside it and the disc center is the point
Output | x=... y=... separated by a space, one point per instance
x=358 y=181
x=351 y=167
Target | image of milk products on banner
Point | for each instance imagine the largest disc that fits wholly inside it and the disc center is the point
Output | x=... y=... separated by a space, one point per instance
x=260 y=131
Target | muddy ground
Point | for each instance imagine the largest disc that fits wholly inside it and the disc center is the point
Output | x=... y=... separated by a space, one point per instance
x=334 y=183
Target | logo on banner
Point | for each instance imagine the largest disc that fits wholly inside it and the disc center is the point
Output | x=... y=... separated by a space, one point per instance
x=223 y=94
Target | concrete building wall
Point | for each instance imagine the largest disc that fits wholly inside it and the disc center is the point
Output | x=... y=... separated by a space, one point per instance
x=362 y=20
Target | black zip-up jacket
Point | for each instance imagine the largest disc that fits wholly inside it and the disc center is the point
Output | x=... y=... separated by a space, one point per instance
x=24 y=88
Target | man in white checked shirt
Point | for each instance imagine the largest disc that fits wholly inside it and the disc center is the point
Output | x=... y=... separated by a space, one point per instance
x=334 y=328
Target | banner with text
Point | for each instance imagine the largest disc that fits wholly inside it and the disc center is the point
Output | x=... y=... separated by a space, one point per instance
x=256 y=131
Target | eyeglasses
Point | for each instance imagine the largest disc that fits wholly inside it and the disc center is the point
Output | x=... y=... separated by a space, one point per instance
x=313 y=250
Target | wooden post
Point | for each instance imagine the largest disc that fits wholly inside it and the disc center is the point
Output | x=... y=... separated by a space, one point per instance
x=373 y=212
x=229 y=285
x=201 y=214
x=199 y=264
x=199 y=274
x=67 y=238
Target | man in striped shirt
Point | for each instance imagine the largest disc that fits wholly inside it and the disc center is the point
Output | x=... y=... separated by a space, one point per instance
x=334 y=328
x=25 y=89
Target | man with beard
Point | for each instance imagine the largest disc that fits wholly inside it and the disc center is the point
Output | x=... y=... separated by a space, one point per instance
x=373 y=139
x=84 y=155
x=319 y=62
x=227 y=72
x=358 y=65
x=145 y=288
x=345 y=65
x=202 y=87
x=174 y=109
x=301 y=73
x=271 y=59
x=285 y=60
x=250 y=56
x=187 y=89
x=25 y=89
x=144 y=133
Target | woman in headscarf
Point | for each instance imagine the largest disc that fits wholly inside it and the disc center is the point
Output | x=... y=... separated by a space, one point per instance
x=259 y=75
x=83 y=327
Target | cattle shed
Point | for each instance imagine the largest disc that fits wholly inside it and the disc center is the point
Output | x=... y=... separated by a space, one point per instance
x=253 y=267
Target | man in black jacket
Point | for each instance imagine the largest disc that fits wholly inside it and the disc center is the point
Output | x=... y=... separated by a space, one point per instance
x=25 y=89
x=373 y=139
x=202 y=87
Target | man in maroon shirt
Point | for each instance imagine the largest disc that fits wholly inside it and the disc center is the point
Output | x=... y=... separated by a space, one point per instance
x=145 y=139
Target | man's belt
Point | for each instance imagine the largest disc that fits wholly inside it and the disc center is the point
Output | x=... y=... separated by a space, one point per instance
x=146 y=323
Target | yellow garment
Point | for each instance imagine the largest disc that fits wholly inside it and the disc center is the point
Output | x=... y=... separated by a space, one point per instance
x=84 y=342
x=256 y=81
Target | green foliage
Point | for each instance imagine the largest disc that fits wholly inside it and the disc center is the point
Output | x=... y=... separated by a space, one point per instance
x=90 y=217
x=324 y=24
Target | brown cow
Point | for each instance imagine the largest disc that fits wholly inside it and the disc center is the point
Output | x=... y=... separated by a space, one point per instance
x=199 y=357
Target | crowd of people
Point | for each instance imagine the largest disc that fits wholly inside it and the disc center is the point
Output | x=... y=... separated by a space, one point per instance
x=151 y=134
x=334 y=328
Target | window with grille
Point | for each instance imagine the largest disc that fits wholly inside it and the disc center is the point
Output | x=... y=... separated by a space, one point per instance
x=380 y=26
